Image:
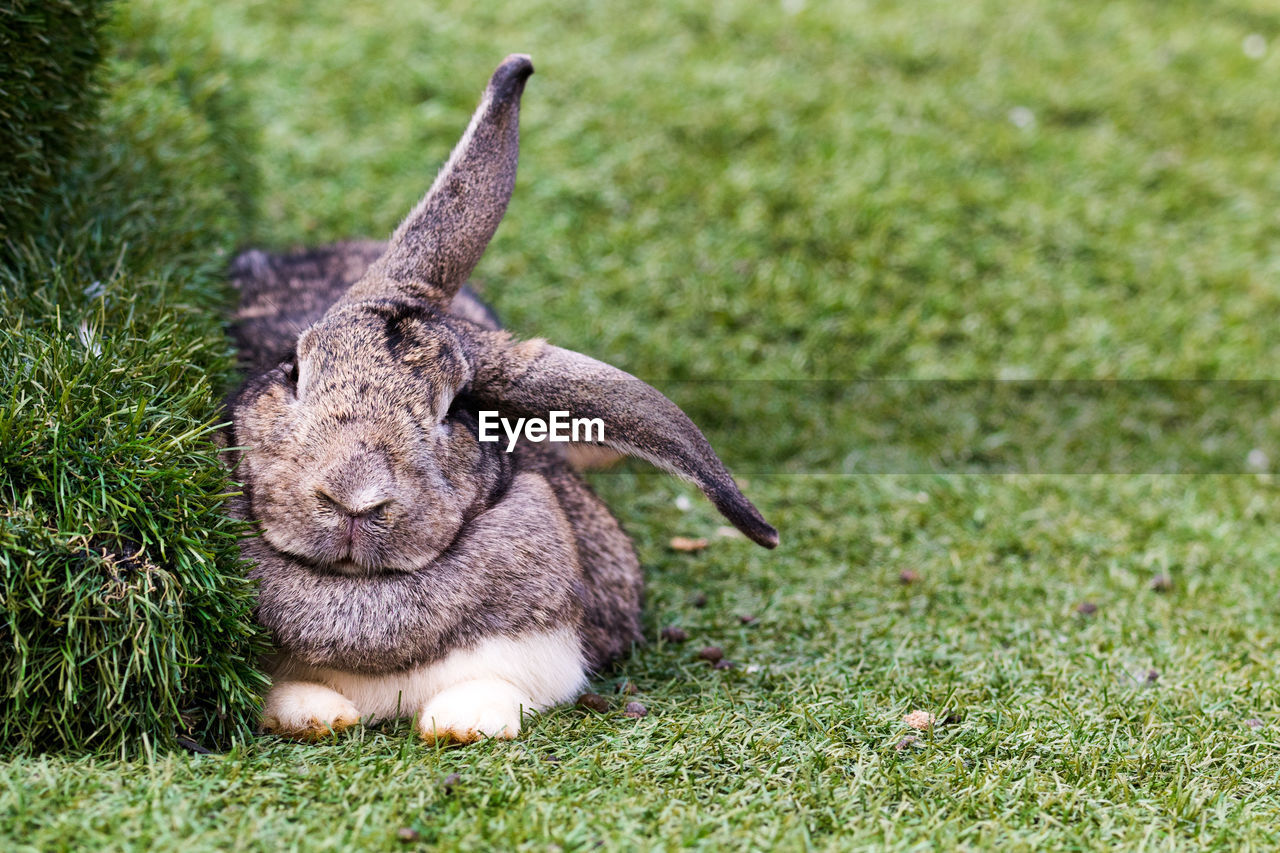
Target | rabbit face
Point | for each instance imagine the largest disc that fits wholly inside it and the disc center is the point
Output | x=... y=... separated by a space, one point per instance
x=357 y=464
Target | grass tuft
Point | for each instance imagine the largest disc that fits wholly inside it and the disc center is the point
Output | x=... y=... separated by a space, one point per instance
x=126 y=609
x=50 y=51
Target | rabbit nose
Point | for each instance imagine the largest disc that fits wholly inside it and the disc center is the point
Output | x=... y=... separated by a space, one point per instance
x=354 y=508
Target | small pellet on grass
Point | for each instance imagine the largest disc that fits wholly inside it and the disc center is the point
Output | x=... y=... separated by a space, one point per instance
x=674 y=634
x=593 y=702
x=711 y=654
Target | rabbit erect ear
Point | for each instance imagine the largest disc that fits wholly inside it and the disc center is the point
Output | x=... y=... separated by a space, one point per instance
x=440 y=242
x=534 y=378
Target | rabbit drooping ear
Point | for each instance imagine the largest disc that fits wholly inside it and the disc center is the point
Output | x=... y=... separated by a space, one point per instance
x=534 y=378
x=441 y=240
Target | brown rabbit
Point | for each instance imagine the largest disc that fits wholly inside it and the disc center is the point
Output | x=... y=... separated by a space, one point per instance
x=406 y=567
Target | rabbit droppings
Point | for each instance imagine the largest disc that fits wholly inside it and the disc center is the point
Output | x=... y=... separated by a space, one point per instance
x=406 y=568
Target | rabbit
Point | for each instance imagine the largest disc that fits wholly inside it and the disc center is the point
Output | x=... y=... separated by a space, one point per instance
x=405 y=568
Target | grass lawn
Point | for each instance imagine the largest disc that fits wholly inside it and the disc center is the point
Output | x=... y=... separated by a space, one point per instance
x=814 y=193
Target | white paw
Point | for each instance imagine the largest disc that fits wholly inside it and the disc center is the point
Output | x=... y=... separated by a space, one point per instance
x=471 y=710
x=306 y=711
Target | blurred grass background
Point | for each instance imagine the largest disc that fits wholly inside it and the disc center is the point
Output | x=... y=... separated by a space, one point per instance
x=810 y=191
x=732 y=190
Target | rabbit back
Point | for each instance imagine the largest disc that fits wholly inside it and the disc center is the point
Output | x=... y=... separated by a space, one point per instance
x=281 y=294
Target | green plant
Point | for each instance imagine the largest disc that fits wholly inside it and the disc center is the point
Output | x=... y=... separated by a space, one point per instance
x=49 y=53
x=126 y=618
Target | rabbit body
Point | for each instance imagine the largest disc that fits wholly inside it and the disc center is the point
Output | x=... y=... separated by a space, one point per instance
x=404 y=566
x=539 y=586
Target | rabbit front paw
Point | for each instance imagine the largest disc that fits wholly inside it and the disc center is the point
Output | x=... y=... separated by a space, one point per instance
x=472 y=710
x=305 y=711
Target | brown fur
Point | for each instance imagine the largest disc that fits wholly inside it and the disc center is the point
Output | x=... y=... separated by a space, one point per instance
x=389 y=534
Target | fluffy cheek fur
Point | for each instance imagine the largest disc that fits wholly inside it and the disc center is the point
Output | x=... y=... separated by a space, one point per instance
x=298 y=464
x=481 y=691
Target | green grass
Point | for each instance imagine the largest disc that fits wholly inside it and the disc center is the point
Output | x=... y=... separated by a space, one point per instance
x=50 y=51
x=126 y=612
x=729 y=191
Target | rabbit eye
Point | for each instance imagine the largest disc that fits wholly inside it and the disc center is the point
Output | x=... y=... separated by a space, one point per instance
x=290 y=370
x=460 y=404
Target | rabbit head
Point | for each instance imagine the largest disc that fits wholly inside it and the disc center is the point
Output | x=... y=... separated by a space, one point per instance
x=361 y=452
